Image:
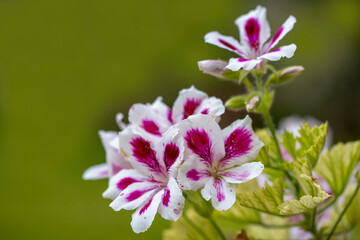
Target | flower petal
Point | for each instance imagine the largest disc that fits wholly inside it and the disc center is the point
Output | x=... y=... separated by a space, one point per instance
x=243 y=173
x=283 y=30
x=284 y=51
x=119 y=120
x=203 y=138
x=135 y=195
x=172 y=203
x=121 y=181
x=186 y=103
x=212 y=106
x=212 y=67
x=141 y=154
x=247 y=64
x=254 y=28
x=114 y=159
x=241 y=143
x=96 y=172
x=143 y=217
x=221 y=193
x=226 y=42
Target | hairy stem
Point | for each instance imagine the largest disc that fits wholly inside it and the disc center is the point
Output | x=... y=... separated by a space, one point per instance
x=343 y=212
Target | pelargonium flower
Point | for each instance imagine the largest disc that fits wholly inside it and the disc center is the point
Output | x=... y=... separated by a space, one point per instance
x=254 y=32
x=114 y=160
x=214 y=158
x=154 y=119
x=151 y=186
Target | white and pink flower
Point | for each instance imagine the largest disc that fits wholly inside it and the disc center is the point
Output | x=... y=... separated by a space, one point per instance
x=114 y=160
x=214 y=158
x=151 y=186
x=154 y=119
x=252 y=49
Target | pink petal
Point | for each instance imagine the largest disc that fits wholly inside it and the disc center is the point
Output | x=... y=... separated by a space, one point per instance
x=284 y=29
x=247 y=64
x=221 y=193
x=145 y=214
x=226 y=42
x=172 y=203
x=284 y=51
x=243 y=173
x=100 y=171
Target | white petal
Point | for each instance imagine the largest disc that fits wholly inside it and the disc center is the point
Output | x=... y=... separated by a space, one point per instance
x=143 y=217
x=247 y=64
x=226 y=42
x=121 y=181
x=259 y=15
x=172 y=203
x=212 y=67
x=284 y=29
x=186 y=103
x=212 y=106
x=203 y=138
x=96 y=172
x=221 y=193
x=119 y=120
x=241 y=143
x=134 y=195
x=243 y=173
x=284 y=51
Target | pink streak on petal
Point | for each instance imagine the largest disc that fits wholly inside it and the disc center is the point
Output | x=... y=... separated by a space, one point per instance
x=252 y=28
x=171 y=153
x=199 y=143
x=144 y=154
x=166 y=198
x=190 y=107
x=103 y=173
x=205 y=111
x=243 y=60
x=135 y=195
x=176 y=211
x=169 y=115
x=219 y=189
x=276 y=36
x=276 y=50
x=237 y=144
x=195 y=175
x=144 y=208
x=125 y=182
x=236 y=176
x=115 y=169
x=151 y=127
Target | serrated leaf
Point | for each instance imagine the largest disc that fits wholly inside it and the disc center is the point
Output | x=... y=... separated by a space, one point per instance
x=269 y=151
x=336 y=166
x=312 y=141
x=266 y=199
x=302 y=167
x=289 y=142
x=237 y=102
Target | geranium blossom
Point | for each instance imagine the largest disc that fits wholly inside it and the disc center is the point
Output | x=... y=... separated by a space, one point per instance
x=215 y=158
x=154 y=119
x=151 y=186
x=114 y=160
x=254 y=32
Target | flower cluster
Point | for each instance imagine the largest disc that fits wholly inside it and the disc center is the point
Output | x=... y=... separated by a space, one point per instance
x=163 y=152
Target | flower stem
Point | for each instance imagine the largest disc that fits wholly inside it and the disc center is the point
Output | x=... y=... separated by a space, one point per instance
x=258 y=82
x=270 y=124
x=217 y=228
x=313 y=224
x=343 y=212
x=247 y=84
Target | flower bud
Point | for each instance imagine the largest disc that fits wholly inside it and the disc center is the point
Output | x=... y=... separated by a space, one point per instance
x=286 y=74
x=213 y=67
x=253 y=103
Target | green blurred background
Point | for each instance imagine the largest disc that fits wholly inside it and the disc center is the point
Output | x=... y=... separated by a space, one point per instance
x=67 y=67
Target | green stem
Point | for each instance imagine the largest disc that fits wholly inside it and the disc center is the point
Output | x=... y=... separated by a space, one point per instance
x=258 y=82
x=343 y=212
x=199 y=230
x=217 y=228
x=270 y=124
x=248 y=84
x=328 y=204
x=313 y=225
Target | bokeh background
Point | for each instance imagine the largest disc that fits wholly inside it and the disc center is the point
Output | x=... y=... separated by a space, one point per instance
x=67 y=67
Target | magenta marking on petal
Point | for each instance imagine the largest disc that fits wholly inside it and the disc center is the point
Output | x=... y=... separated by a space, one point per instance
x=144 y=154
x=135 y=195
x=205 y=111
x=176 y=211
x=199 y=143
x=169 y=115
x=171 y=153
x=166 y=198
x=252 y=28
x=276 y=36
x=190 y=106
x=236 y=176
x=151 y=127
x=243 y=60
x=115 y=169
x=125 y=182
x=237 y=144
x=227 y=44
x=276 y=50
x=145 y=207
x=103 y=173
x=196 y=175
x=219 y=189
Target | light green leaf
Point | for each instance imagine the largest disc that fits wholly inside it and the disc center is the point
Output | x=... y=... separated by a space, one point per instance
x=336 y=166
x=289 y=142
x=268 y=153
x=237 y=102
x=265 y=199
x=312 y=141
x=302 y=167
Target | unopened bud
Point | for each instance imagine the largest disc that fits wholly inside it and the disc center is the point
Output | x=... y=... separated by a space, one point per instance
x=213 y=67
x=286 y=74
x=294 y=70
x=253 y=103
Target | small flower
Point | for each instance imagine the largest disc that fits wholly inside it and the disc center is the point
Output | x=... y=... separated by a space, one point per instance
x=151 y=186
x=215 y=158
x=154 y=119
x=114 y=160
x=254 y=32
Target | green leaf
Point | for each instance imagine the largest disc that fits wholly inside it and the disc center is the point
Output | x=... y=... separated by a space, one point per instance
x=268 y=154
x=230 y=75
x=265 y=199
x=236 y=103
x=242 y=75
x=312 y=141
x=302 y=167
x=289 y=142
x=336 y=166
x=266 y=101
